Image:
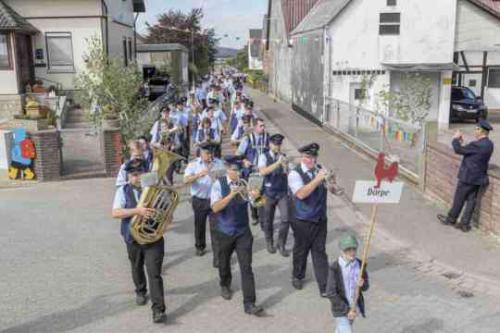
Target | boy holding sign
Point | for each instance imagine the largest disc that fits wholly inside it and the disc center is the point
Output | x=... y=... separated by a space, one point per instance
x=344 y=287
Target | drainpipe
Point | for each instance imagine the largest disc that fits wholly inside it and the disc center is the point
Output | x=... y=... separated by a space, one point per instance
x=327 y=95
x=135 y=36
x=104 y=7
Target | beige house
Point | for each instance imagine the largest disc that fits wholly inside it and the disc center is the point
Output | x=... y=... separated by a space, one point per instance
x=46 y=39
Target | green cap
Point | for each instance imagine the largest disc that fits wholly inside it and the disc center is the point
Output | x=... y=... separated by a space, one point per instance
x=348 y=242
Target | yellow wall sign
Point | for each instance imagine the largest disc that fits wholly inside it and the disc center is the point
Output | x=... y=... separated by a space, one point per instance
x=447 y=81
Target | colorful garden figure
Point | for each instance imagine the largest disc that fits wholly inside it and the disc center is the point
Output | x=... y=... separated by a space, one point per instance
x=22 y=156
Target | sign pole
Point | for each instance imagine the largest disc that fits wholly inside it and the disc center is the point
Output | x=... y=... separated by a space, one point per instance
x=368 y=239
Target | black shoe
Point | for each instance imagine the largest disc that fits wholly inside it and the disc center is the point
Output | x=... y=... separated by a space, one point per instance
x=463 y=227
x=255 y=220
x=270 y=247
x=226 y=293
x=445 y=219
x=283 y=251
x=253 y=309
x=297 y=283
x=200 y=252
x=159 y=317
x=141 y=299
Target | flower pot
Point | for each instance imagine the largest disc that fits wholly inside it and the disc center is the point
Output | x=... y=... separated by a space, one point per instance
x=111 y=123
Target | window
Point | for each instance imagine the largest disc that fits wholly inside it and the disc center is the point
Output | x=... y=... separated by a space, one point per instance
x=359 y=94
x=392 y=3
x=472 y=83
x=5 y=62
x=125 y=55
x=494 y=78
x=60 y=51
x=389 y=23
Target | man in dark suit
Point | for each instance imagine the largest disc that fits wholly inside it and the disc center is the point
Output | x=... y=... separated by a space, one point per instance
x=472 y=175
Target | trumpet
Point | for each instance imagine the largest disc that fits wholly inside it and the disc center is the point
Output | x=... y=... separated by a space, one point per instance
x=331 y=182
x=244 y=189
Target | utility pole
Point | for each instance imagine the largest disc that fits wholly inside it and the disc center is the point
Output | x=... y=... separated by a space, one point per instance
x=192 y=57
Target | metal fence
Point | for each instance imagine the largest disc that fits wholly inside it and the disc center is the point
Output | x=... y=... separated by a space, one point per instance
x=377 y=133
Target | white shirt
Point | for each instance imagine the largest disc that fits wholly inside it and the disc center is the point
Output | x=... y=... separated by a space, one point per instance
x=216 y=192
x=120 y=201
x=201 y=187
x=295 y=181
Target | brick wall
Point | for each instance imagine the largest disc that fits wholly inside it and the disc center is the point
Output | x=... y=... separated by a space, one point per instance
x=48 y=155
x=441 y=179
x=112 y=151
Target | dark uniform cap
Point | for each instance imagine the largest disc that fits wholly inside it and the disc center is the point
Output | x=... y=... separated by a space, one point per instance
x=484 y=124
x=136 y=165
x=214 y=101
x=249 y=103
x=207 y=146
x=277 y=138
x=246 y=118
x=184 y=99
x=233 y=160
x=310 y=149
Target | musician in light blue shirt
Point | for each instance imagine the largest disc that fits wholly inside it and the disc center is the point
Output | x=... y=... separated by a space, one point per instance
x=200 y=175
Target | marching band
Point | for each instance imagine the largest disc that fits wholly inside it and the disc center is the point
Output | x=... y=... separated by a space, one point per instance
x=256 y=176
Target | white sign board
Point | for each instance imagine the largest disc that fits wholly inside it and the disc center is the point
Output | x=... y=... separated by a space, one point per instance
x=365 y=192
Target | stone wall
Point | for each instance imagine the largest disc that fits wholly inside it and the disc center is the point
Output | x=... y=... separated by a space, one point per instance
x=10 y=105
x=47 y=163
x=112 y=151
x=442 y=166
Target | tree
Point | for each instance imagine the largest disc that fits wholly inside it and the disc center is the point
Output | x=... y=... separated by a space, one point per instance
x=109 y=90
x=412 y=102
x=241 y=60
x=175 y=26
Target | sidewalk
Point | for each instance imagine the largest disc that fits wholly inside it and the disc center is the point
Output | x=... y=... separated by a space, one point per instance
x=470 y=259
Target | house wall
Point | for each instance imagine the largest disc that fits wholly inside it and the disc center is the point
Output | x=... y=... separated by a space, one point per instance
x=416 y=42
x=80 y=29
x=55 y=8
x=360 y=47
x=83 y=19
x=117 y=33
x=307 y=73
x=121 y=26
x=478 y=31
x=280 y=79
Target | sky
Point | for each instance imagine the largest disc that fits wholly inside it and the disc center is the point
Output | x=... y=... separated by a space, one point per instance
x=227 y=17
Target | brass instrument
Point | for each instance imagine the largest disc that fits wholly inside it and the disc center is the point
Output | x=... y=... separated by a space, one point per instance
x=244 y=188
x=155 y=194
x=331 y=182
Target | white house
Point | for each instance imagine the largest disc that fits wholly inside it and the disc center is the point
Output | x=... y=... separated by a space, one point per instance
x=385 y=38
x=46 y=40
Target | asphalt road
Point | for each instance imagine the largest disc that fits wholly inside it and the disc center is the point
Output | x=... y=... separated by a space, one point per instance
x=64 y=269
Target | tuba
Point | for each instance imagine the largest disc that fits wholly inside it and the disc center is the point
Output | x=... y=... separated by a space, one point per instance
x=155 y=194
